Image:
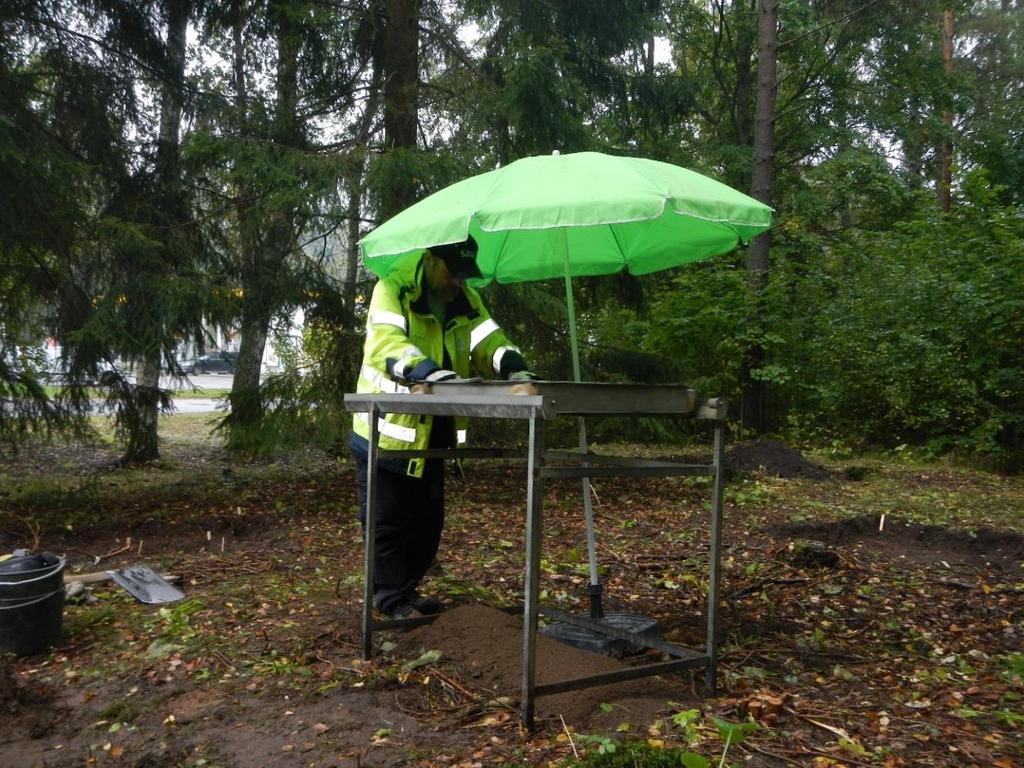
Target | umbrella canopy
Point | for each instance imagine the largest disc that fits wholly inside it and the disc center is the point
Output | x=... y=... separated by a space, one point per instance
x=586 y=213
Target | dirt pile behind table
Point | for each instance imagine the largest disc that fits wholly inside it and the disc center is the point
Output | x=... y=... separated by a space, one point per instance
x=993 y=550
x=772 y=457
x=485 y=647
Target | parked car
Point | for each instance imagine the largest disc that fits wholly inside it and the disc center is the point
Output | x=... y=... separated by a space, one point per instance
x=215 y=362
x=105 y=374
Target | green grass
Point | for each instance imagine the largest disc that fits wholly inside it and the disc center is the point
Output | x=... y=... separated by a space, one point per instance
x=936 y=494
x=81 y=481
x=184 y=393
x=190 y=428
x=200 y=394
x=69 y=485
x=939 y=492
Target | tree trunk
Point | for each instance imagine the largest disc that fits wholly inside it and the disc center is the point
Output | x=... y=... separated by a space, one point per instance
x=401 y=67
x=264 y=258
x=246 y=404
x=354 y=187
x=248 y=224
x=914 y=148
x=168 y=148
x=764 y=132
x=736 y=130
x=753 y=412
x=946 y=150
x=142 y=419
x=401 y=87
x=142 y=426
x=244 y=395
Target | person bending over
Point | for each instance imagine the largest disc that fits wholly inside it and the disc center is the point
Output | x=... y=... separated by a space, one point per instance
x=424 y=325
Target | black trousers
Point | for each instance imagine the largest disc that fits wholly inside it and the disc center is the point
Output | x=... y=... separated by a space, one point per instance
x=410 y=517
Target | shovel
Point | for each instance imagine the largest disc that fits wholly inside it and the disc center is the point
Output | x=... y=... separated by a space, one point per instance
x=146 y=586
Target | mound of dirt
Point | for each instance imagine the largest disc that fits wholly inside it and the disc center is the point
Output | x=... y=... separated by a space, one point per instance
x=772 y=457
x=27 y=711
x=485 y=646
x=15 y=696
x=914 y=542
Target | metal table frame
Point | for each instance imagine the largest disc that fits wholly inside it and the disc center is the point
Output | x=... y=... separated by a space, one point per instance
x=539 y=403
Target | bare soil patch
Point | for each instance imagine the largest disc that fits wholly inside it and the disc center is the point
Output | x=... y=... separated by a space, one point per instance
x=774 y=458
x=485 y=646
x=985 y=549
x=260 y=665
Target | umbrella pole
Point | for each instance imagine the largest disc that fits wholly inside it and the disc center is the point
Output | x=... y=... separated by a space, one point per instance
x=594 y=588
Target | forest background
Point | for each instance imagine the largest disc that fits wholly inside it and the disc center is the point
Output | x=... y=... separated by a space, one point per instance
x=175 y=166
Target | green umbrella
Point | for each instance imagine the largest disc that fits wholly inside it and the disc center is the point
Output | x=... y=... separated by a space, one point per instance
x=599 y=214
x=571 y=216
x=574 y=215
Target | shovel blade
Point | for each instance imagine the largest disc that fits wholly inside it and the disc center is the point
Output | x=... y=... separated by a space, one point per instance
x=146 y=586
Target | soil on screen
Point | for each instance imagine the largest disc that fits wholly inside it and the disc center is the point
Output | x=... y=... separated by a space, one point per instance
x=869 y=621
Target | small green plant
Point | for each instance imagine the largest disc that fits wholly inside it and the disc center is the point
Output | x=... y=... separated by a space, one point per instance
x=633 y=754
x=427 y=657
x=119 y=712
x=605 y=744
x=177 y=619
x=1014 y=667
x=732 y=733
x=453 y=587
x=1009 y=718
x=686 y=721
x=162 y=648
x=88 y=620
x=279 y=665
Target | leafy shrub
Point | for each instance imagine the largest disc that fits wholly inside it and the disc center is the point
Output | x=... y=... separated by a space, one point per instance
x=638 y=754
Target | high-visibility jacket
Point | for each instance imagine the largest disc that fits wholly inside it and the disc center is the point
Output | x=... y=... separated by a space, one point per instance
x=406 y=343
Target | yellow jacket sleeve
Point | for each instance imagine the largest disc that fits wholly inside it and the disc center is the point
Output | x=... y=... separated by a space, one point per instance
x=388 y=350
x=494 y=356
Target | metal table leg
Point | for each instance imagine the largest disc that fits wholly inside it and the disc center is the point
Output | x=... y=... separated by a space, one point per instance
x=534 y=523
x=594 y=589
x=715 y=556
x=370 y=534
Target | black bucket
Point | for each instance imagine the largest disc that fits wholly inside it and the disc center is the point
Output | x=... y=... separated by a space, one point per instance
x=31 y=609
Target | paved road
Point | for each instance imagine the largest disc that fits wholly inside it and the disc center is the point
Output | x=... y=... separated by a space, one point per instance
x=211 y=381
x=217 y=385
x=206 y=381
x=197 y=405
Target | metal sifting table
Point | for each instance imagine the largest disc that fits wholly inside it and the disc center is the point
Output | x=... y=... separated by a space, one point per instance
x=539 y=402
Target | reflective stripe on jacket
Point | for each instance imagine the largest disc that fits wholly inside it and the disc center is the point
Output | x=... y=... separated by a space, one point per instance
x=405 y=342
